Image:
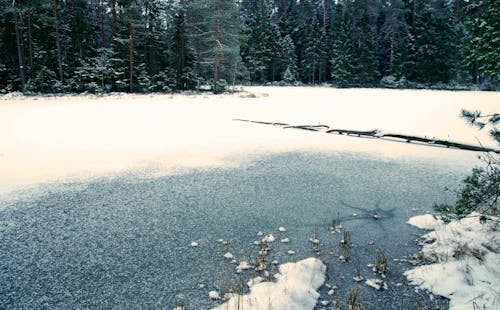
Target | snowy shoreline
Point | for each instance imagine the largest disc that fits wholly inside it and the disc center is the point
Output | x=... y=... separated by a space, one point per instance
x=466 y=261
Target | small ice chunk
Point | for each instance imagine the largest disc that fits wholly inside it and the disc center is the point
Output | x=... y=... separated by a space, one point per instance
x=285 y=240
x=325 y=302
x=291 y=252
x=194 y=244
x=201 y=285
x=268 y=238
x=275 y=262
x=358 y=278
x=220 y=240
x=314 y=240
x=260 y=233
x=254 y=281
x=256 y=242
x=214 y=295
x=354 y=214
x=243 y=266
x=377 y=284
x=229 y=255
x=282 y=229
x=331 y=292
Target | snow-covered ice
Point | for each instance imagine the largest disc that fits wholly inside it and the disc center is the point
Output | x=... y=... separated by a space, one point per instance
x=425 y=221
x=52 y=138
x=467 y=267
x=295 y=288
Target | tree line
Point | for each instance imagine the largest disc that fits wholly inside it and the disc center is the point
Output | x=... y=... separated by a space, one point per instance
x=169 y=45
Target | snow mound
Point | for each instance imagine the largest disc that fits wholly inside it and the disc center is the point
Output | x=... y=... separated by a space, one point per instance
x=467 y=268
x=295 y=289
x=426 y=221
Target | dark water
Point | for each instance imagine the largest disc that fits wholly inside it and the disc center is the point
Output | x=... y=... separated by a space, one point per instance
x=124 y=242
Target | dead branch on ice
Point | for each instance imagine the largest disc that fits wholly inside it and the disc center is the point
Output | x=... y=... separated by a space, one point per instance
x=379 y=135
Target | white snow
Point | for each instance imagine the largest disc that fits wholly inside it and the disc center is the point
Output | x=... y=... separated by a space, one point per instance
x=295 y=288
x=285 y=240
x=425 y=221
x=377 y=284
x=229 y=255
x=214 y=295
x=467 y=268
x=55 y=138
x=194 y=244
x=268 y=238
x=282 y=229
x=243 y=266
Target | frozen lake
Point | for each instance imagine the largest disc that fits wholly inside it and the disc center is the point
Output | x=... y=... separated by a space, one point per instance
x=102 y=197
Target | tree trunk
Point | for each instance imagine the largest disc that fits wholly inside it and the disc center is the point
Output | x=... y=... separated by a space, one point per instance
x=30 y=41
x=19 y=49
x=217 y=56
x=113 y=19
x=414 y=14
x=131 y=46
x=393 y=32
x=58 y=43
x=284 y=8
x=325 y=16
x=103 y=31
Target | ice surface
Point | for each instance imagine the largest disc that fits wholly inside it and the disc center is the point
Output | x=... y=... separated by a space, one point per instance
x=468 y=267
x=46 y=139
x=123 y=241
x=294 y=289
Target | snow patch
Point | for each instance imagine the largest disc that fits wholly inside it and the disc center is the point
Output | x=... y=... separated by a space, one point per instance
x=426 y=221
x=467 y=268
x=295 y=288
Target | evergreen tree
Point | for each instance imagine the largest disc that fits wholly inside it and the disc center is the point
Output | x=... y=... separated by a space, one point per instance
x=342 y=48
x=436 y=43
x=482 y=19
x=260 y=40
x=364 y=44
x=215 y=38
x=289 y=60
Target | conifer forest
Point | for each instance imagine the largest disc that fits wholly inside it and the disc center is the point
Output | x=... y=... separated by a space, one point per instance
x=66 y=46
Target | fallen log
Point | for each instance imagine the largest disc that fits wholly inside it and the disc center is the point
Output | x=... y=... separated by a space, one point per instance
x=381 y=135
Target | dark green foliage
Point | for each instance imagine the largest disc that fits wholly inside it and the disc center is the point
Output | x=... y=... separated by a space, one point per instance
x=476 y=118
x=482 y=19
x=157 y=45
x=480 y=193
x=481 y=190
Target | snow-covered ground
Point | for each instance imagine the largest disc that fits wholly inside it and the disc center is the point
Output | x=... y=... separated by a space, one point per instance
x=294 y=289
x=467 y=261
x=45 y=139
x=76 y=137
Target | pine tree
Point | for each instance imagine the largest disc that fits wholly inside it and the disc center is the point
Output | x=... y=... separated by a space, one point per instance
x=342 y=48
x=288 y=60
x=259 y=45
x=364 y=44
x=216 y=38
x=482 y=19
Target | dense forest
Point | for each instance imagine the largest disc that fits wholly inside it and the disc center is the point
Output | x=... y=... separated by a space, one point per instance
x=168 y=45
